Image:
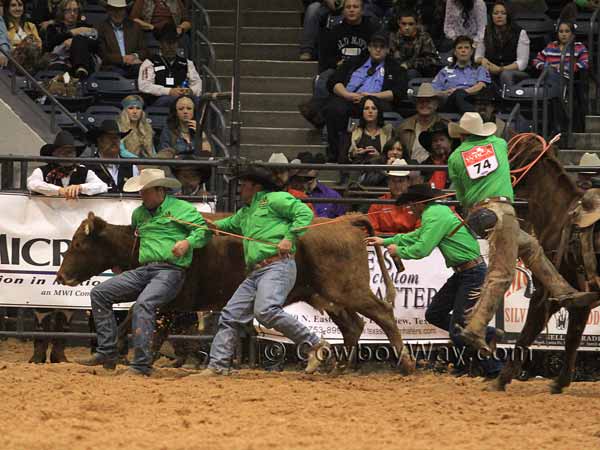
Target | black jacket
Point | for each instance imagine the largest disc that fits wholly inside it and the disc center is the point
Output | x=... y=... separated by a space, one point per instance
x=395 y=76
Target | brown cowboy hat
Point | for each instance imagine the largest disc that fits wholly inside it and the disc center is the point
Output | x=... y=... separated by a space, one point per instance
x=62 y=139
x=419 y=193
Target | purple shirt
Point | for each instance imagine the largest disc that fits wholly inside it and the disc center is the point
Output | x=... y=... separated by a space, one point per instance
x=329 y=210
x=460 y=78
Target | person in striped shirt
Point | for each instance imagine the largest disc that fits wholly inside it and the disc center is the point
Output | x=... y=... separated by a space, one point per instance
x=550 y=55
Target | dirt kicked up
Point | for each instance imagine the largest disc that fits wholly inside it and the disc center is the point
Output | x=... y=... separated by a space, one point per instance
x=66 y=406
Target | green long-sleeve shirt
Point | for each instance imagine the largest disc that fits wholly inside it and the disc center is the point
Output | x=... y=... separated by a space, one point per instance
x=496 y=183
x=158 y=234
x=437 y=223
x=270 y=217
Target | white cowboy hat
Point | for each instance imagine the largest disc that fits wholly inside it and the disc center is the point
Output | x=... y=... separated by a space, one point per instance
x=149 y=178
x=589 y=160
x=588 y=211
x=398 y=173
x=117 y=3
x=471 y=123
x=278 y=158
x=426 y=91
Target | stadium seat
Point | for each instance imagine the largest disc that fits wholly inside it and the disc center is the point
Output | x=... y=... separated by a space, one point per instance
x=413 y=85
x=540 y=29
x=392 y=118
x=94 y=14
x=96 y=114
x=451 y=117
x=157 y=116
x=525 y=90
x=110 y=87
x=62 y=120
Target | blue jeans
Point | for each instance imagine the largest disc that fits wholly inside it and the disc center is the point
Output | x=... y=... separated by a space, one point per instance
x=448 y=306
x=151 y=286
x=262 y=296
x=314 y=14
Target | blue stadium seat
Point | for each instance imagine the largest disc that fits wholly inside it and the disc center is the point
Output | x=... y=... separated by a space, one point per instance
x=392 y=118
x=94 y=14
x=96 y=114
x=62 y=120
x=110 y=85
x=157 y=116
x=540 y=29
x=525 y=89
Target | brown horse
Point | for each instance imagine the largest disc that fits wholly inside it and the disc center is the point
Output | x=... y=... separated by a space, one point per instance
x=551 y=194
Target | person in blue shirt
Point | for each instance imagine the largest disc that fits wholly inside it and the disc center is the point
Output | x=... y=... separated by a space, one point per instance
x=461 y=78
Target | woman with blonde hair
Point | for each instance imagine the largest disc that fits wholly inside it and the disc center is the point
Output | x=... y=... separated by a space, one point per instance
x=140 y=141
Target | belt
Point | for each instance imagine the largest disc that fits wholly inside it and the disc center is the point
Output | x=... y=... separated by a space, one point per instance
x=500 y=199
x=468 y=265
x=270 y=260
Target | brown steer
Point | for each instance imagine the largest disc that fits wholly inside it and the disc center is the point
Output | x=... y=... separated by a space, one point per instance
x=333 y=273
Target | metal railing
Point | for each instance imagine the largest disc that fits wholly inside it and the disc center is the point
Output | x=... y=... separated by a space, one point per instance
x=37 y=85
x=541 y=86
x=567 y=72
x=594 y=58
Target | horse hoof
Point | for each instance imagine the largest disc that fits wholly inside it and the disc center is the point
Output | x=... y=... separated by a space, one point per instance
x=496 y=386
x=555 y=388
x=407 y=365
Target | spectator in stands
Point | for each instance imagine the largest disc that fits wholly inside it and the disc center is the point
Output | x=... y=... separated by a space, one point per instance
x=281 y=177
x=392 y=219
x=465 y=18
x=192 y=177
x=392 y=151
x=43 y=14
x=376 y=74
x=70 y=41
x=122 y=42
x=180 y=131
x=485 y=104
x=572 y=9
x=371 y=134
x=461 y=78
x=379 y=8
x=413 y=48
x=550 y=56
x=133 y=118
x=4 y=44
x=153 y=15
x=438 y=143
x=66 y=180
x=108 y=146
x=19 y=30
x=314 y=15
x=588 y=180
x=346 y=40
x=504 y=51
x=408 y=132
x=316 y=189
x=168 y=76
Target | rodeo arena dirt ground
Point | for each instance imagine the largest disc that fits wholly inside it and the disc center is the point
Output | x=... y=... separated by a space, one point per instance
x=67 y=406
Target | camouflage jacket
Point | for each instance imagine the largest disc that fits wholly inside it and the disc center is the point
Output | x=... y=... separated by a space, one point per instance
x=417 y=53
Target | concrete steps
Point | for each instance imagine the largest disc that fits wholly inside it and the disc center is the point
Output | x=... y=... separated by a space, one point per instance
x=282 y=119
x=291 y=136
x=288 y=5
x=271 y=35
x=294 y=85
x=258 y=51
x=267 y=68
x=261 y=18
x=592 y=124
x=257 y=101
x=262 y=152
x=587 y=140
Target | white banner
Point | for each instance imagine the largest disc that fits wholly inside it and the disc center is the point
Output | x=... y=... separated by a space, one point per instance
x=35 y=234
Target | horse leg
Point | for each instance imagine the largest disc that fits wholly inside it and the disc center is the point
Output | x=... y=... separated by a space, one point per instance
x=577 y=319
x=351 y=326
x=383 y=315
x=538 y=315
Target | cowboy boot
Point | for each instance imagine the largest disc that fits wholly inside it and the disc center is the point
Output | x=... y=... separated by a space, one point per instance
x=40 y=345
x=61 y=325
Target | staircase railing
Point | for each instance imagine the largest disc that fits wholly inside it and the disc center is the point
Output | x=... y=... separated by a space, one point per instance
x=540 y=90
x=566 y=96
x=37 y=85
x=594 y=58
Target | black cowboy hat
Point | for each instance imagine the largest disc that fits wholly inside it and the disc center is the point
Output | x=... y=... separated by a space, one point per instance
x=381 y=38
x=418 y=193
x=62 y=139
x=485 y=95
x=107 y=126
x=426 y=137
x=167 y=33
x=259 y=175
x=202 y=171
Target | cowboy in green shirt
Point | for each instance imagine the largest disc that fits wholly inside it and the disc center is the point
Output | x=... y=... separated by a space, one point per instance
x=480 y=171
x=272 y=220
x=165 y=251
x=440 y=227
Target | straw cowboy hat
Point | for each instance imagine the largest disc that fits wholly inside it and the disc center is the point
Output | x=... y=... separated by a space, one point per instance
x=426 y=91
x=278 y=158
x=149 y=178
x=471 y=123
x=398 y=173
x=116 y=3
x=589 y=160
x=588 y=212
x=418 y=193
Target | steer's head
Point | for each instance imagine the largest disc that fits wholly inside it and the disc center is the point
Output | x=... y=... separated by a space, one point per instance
x=91 y=252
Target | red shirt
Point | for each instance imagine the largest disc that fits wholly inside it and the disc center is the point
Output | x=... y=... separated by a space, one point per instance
x=299 y=194
x=397 y=220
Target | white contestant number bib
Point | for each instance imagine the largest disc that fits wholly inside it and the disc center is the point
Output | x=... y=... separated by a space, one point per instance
x=480 y=161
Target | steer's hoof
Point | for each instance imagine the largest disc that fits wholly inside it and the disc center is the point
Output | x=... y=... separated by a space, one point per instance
x=407 y=365
x=496 y=386
x=37 y=359
x=556 y=388
x=58 y=357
